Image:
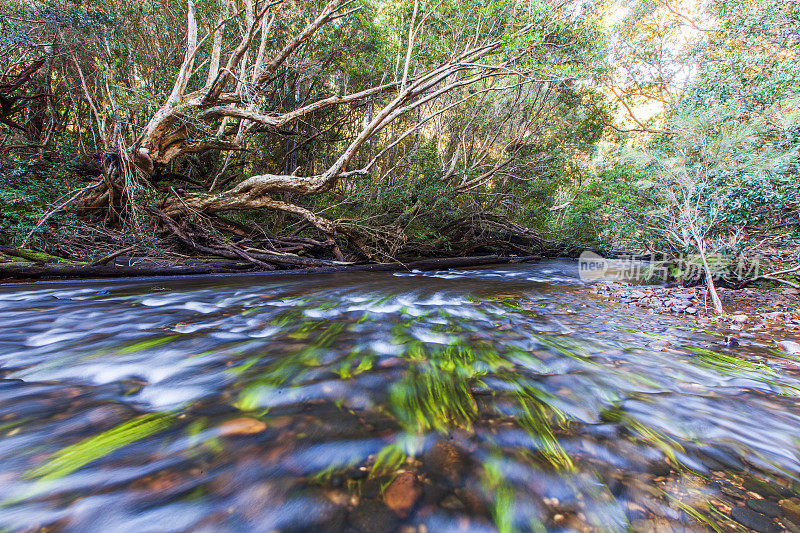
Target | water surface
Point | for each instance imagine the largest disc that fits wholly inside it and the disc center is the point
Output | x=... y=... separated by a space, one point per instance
x=499 y=398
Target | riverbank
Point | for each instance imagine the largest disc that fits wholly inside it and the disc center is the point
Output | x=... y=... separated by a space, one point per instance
x=765 y=312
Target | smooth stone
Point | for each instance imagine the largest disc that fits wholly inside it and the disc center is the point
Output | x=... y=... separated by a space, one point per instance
x=402 y=494
x=691 y=310
x=660 y=345
x=766 y=507
x=791 y=526
x=452 y=503
x=764 y=488
x=444 y=462
x=790 y=509
x=373 y=515
x=723 y=457
x=733 y=492
x=754 y=520
x=659 y=467
x=730 y=342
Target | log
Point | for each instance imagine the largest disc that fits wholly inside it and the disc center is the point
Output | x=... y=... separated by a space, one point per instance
x=28 y=270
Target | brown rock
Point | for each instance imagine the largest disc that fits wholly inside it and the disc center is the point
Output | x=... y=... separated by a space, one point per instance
x=660 y=345
x=241 y=426
x=402 y=494
x=790 y=509
x=445 y=463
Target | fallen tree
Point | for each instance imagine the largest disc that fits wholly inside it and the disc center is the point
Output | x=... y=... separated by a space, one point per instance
x=31 y=270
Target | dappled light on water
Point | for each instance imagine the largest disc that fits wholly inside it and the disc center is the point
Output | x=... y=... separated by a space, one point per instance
x=499 y=398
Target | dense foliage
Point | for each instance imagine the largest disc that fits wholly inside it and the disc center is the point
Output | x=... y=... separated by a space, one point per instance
x=557 y=141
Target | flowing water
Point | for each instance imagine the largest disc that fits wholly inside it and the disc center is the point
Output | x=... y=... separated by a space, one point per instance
x=501 y=398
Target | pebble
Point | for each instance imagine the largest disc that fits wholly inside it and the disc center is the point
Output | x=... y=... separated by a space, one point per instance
x=241 y=426
x=731 y=342
x=444 y=462
x=373 y=515
x=402 y=494
x=691 y=310
x=764 y=488
x=765 y=507
x=660 y=345
x=452 y=503
x=732 y=491
x=791 y=292
x=790 y=509
x=754 y=520
x=791 y=526
x=740 y=319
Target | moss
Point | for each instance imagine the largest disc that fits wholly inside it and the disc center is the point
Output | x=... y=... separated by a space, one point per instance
x=10 y=259
x=37 y=257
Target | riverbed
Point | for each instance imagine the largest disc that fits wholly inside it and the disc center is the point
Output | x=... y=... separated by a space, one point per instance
x=500 y=398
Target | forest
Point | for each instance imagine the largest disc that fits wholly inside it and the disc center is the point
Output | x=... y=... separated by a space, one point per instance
x=282 y=134
x=403 y=266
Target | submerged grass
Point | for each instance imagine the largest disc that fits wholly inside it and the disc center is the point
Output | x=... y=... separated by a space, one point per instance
x=71 y=458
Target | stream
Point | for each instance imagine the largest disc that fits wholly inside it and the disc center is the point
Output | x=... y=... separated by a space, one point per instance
x=502 y=398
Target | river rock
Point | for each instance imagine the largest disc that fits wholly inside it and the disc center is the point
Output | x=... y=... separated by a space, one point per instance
x=444 y=462
x=660 y=345
x=452 y=503
x=739 y=319
x=241 y=426
x=789 y=347
x=402 y=494
x=766 y=489
x=765 y=507
x=732 y=491
x=791 y=526
x=791 y=510
x=730 y=342
x=373 y=515
x=754 y=520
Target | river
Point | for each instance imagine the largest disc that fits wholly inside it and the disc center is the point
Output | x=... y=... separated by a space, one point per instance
x=497 y=398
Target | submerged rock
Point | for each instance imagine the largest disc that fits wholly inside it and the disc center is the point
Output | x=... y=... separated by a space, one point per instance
x=445 y=463
x=402 y=494
x=765 y=507
x=241 y=426
x=754 y=520
x=373 y=515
